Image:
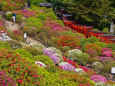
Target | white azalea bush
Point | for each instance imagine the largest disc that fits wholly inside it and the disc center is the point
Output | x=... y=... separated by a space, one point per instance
x=73 y=54
x=79 y=71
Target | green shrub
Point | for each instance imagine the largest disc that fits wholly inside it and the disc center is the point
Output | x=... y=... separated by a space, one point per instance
x=14 y=44
x=73 y=54
x=23 y=53
x=9 y=15
x=93 y=39
x=65 y=48
x=101 y=44
x=33 y=22
x=83 y=58
x=45 y=59
x=4 y=45
x=32 y=50
x=0 y=17
x=52 y=69
x=106 y=30
x=111 y=45
x=92 y=60
x=19 y=18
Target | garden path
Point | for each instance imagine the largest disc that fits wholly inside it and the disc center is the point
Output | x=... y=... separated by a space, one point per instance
x=9 y=24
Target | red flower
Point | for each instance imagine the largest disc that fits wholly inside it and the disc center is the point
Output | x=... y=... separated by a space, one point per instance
x=17 y=70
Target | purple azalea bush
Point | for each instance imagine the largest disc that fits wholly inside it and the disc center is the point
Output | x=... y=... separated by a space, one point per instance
x=98 y=78
x=67 y=67
x=6 y=80
x=52 y=54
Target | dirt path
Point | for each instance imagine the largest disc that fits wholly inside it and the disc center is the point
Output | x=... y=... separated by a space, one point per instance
x=9 y=24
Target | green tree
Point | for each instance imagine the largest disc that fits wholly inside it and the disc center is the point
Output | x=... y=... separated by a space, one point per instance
x=97 y=13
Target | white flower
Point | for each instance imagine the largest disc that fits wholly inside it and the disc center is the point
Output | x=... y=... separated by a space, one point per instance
x=79 y=71
x=40 y=64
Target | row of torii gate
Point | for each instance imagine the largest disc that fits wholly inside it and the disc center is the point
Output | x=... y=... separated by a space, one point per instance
x=89 y=32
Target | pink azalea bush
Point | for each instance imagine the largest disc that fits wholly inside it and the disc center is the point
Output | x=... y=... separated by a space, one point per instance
x=5 y=80
x=107 y=53
x=91 y=52
x=98 y=78
x=25 y=13
x=106 y=49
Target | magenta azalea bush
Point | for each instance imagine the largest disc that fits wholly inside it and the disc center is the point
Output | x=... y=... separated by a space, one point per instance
x=98 y=78
x=5 y=80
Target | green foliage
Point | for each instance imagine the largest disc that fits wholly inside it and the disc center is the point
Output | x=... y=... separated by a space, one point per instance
x=4 y=45
x=101 y=44
x=52 y=69
x=60 y=22
x=32 y=50
x=8 y=15
x=14 y=44
x=24 y=53
x=19 y=18
x=45 y=59
x=65 y=48
x=0 y=17
x=32 y=21
x=106 y=30
x=95 y=13
x=93 y=39
x=83 y=58
x=35 y=2
x=73 y=54
x=111 y=45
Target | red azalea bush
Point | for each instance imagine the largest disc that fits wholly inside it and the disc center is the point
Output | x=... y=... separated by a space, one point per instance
x=70 y=41
x=82 y=81
x=22 y=70
x=5 y=80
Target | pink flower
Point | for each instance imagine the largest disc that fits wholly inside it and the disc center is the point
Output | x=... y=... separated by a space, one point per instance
x=98 y=78
x=107 y=53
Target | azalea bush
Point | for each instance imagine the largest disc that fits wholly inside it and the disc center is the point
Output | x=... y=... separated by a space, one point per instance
x=73 y=54
x=45 y=59
x=12 y=4
x=32 y=50
x=5 y=80
x=56 y=57
x=22 y=70
x=98 y=78
x=18 y=35
x=94 y=47
x=14 y=44
x=70 y=41
x=83 y=58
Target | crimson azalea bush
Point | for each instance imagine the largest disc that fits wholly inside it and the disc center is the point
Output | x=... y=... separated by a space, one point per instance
x=70 y=41
x=22 y=70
